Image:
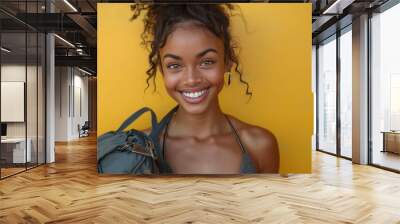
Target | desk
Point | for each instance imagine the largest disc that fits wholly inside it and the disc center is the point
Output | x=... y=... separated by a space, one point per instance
x=16 y=147
x=391 y=141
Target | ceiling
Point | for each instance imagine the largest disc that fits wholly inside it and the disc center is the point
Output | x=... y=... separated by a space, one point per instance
x=76 y=22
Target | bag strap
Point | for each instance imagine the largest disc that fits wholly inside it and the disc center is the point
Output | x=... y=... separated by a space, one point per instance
x=136 y=115
x=155 y=132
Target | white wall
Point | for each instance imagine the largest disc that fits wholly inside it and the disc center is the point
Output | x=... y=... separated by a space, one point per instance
x=71 y=94
x=80 y=110
x=61 y=103
x=16 y=73
x=12 y=101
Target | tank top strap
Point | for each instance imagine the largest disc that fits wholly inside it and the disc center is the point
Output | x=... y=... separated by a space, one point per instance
x=247 y=165
x=236 y=134
x=164 y=166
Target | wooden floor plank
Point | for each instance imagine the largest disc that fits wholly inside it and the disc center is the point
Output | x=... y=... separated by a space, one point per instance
x=71 y=191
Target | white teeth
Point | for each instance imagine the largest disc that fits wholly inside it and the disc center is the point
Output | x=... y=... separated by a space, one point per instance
x=194 y=94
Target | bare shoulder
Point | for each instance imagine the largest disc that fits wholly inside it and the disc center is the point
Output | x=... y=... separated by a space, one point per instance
x=261 y=144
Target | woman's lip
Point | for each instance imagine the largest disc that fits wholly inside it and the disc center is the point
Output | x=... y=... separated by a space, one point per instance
x=197 y=99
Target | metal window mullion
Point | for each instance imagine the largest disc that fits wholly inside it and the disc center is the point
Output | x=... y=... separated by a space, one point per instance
x=26 y=87
x=73 y=92
x=0 y=96
x=338 y=98
x=37 y=91
x=369 y=89
x=69 y=92
x=45 y=94
x=45 y=86
x=317 y=96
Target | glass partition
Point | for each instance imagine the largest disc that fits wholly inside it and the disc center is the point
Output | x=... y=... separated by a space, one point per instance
x=31 y=100
x=22 y=88
x=14 y=152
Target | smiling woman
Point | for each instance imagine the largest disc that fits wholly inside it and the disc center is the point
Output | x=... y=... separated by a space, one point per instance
x=191 y=45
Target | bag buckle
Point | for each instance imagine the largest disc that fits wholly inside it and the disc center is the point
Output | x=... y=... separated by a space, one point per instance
x=148 y=150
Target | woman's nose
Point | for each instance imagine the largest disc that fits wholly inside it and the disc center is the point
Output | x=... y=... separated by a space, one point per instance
x=192 y=76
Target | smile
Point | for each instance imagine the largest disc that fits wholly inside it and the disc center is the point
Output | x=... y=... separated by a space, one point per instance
x=194 y=94
x=195 y=97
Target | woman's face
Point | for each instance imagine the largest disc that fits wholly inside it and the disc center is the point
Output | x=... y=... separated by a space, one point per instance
x=193 y=67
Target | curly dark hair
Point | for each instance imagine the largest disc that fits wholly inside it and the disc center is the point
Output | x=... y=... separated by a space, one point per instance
x=160 y=20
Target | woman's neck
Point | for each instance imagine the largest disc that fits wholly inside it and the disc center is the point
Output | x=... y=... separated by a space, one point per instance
x=200 y=126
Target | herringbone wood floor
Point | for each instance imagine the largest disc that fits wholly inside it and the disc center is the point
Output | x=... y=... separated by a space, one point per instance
x=70 y=191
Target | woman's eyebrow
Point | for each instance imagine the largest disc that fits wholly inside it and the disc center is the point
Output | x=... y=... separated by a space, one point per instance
x=172 y=56
x=201 y=54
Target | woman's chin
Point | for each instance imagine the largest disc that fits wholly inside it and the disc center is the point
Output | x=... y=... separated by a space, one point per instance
x=194 y=108
x=197 y=108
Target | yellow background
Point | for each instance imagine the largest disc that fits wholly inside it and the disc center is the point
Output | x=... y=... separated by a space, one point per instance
x=275 y=52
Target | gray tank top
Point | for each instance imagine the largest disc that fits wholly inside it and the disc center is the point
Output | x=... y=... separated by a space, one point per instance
x=247 y=164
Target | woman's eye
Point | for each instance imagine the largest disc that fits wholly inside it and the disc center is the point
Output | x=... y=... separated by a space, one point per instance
x=207 y=62
x=173 y=66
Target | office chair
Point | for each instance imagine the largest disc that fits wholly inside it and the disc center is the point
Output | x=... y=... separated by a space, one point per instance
x=84 y=130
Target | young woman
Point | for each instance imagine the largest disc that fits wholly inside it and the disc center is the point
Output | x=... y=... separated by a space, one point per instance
x=191 y=46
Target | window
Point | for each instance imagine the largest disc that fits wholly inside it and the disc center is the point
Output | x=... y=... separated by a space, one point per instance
x=346 y=93
x=385 y=88
x=327 y=95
